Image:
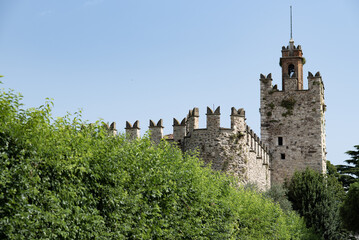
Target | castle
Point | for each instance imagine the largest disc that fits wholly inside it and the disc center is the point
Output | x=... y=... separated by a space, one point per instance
x=292 y=129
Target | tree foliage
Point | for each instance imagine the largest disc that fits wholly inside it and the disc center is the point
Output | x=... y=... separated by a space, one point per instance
x=66 y=179
x=350 y=208
x=317 y=198
x=350 y=173
x=332 y=170
x=279 y=195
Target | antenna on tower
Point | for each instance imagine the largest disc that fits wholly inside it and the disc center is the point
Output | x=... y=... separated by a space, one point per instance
x=291 y=29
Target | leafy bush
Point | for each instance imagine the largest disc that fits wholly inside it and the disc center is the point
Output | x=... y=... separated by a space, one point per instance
x=279 y=195
x=66 y=179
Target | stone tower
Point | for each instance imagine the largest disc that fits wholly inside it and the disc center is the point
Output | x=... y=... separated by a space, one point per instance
x=292 y=119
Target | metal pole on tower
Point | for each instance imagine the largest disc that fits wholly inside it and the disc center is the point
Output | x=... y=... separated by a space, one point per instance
x=291 y=29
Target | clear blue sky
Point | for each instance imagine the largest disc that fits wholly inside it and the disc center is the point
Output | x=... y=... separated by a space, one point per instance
x=150 y=59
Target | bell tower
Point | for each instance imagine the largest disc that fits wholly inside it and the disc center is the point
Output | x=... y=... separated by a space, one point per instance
x=292 y=119
x=292 y=62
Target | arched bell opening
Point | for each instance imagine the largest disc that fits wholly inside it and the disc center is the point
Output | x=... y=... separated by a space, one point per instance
x=291 y=70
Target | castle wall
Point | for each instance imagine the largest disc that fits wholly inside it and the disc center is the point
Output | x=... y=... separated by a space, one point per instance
x=236 y=151
x=258 y=166
x=292 y=125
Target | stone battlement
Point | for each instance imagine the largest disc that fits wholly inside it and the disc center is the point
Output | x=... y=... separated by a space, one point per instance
x=292 y=50
x=236 y=150
x=291 y=82
x=257 y=146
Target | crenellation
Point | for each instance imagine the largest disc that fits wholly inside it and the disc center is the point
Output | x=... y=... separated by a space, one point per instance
x=112 y=129
x=192 y=120
x=247 y=136
x=266 y=80
x=238 y=119
x=179 y=130
x=133 y=131
x=213 y=119
x=156 y=130
x=253 y=143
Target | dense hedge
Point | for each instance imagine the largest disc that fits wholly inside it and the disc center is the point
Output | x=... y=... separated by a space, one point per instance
x=64 y=179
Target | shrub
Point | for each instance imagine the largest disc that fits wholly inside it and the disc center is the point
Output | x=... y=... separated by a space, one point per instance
x=279 y=195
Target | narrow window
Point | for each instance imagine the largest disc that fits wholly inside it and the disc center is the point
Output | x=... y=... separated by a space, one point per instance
x=282 y=156
x=280 y=141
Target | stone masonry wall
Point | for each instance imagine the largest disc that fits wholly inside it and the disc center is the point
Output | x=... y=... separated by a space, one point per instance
x=236 y=150
x=293 y=126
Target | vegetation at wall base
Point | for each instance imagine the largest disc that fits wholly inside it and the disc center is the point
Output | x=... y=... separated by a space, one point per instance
x=350 y=209
x=279 y=195
x=66 y=179
x=318 y=198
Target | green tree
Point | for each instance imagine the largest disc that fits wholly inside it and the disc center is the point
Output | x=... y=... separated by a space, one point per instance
x=279 y=195
x=332 y=170
x=350 y=173
x=317 y=198
x=350 y=208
